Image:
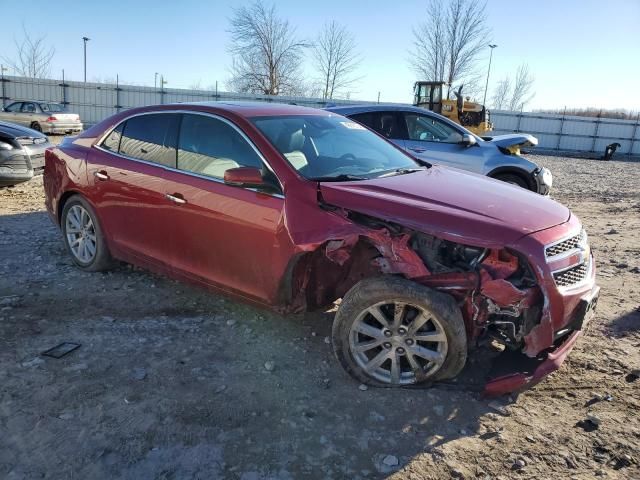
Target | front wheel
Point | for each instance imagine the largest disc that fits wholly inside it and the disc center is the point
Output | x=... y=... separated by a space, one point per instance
x=391 y=332
x=36 y=126
x=513 y=179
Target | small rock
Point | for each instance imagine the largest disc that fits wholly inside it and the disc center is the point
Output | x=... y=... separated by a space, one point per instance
x=530 y=439
x=327 y=340
x=594 y=419
x=390 y=461
x=633 y=375
x=313 y=334
x=33 y=362
x=363 y=387
x=231 y=322
x=139 y=373
x=519 y=464
x=220 y=388
x=65 y=416
x=613 y=231
x=269 y=366
x=635 y=270
x=498 y=407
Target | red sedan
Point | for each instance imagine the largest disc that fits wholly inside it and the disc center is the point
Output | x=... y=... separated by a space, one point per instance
x=295 y=208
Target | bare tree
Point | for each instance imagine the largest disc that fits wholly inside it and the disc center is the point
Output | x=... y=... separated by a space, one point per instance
x=33 y=57
x=336 y=58
x=522 y=88
x=448 y=43
x=267 y=54
x=501 y=94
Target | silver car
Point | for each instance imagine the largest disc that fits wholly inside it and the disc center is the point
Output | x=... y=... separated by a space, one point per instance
x=44 y=117
x=21 y=153
x=436 y=139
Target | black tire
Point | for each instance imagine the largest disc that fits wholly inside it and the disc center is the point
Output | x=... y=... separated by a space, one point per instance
x=372 y=291
x=513 y=179
x=101 y=259
x=36 y=126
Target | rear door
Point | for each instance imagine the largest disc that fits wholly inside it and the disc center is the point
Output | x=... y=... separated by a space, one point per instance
x=223 y=235
x=436 y=141
x=27 y=114
x=128 y=171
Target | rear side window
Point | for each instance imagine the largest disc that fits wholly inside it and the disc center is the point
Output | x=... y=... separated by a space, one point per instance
x=208 y=146
x=385 y=123
x=112 y=142
x=29 y=107
x=151 y=138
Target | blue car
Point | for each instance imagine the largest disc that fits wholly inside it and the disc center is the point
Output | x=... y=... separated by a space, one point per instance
x=436 y=139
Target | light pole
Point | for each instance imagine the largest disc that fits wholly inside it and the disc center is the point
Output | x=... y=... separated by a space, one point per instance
x=86 y=39
x=484 y=101
x=155 y=81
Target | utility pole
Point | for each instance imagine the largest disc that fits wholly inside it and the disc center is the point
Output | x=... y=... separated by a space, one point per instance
x=155 y=81
x=484 y=101
x=86 y=39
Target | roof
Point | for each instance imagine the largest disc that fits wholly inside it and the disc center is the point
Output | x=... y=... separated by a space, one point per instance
x=254 y=109
x=375 y=107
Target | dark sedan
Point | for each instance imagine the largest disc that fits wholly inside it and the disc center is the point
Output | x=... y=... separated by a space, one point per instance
x=21 y=153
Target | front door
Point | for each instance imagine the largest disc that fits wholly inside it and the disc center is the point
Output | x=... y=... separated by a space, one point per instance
x=224 y=235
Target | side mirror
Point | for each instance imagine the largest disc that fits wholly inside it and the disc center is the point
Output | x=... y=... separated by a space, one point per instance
x=468 y=140
x=244 y=177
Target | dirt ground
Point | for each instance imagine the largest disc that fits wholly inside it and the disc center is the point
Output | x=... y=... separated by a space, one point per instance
x=170 y=381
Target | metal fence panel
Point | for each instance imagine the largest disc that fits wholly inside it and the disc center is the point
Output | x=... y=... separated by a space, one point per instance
x=97 y=101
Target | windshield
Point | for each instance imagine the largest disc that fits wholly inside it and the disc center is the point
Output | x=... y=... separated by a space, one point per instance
x=51 y=107
x=333 y=147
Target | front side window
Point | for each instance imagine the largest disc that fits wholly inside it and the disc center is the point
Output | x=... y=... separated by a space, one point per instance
x=332 y=147
x=430 y=129
x=209 y=146
x=14 y=107
x=151 y=138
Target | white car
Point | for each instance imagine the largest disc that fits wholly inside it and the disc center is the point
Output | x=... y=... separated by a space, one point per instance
x=44 y=117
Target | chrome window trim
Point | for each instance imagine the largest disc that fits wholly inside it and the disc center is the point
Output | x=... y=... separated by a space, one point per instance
x=98 y=145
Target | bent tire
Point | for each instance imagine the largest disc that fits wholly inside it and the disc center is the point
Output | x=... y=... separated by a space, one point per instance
x=513 y=179
x=83 y=236
x=391 y=332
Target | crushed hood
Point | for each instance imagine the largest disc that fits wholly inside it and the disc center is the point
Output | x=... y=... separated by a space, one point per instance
x=451 y=204
x=514 y=140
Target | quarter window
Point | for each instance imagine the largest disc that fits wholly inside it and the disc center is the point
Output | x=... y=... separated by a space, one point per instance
x=112 y=142
x=210 y=147
x=430 y=129
x=151 y=138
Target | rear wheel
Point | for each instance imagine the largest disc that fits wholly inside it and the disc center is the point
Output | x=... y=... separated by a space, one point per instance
x=83 y=236
x=513 y=179
x=392 y=332
x=36 y=126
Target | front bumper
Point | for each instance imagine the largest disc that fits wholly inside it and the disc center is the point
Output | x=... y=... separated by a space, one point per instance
x=523 y=372
x=10 y=177
x=543 y=180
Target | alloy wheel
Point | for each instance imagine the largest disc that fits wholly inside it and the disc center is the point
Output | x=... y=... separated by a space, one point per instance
x=81 y=234
x=398 y=343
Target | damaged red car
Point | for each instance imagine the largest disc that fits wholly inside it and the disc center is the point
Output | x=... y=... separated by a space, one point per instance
x=295 y=208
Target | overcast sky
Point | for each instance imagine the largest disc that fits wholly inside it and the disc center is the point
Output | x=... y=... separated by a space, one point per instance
x=583 y=53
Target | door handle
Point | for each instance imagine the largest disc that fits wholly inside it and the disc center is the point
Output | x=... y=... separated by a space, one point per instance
x=176 y=198
x=418 y=149
x=101 y=175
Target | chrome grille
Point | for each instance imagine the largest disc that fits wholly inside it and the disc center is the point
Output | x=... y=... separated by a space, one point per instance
x=564 y=246
x=571 y=276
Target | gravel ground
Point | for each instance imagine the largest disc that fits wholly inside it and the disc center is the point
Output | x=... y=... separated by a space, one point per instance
x=172 y=382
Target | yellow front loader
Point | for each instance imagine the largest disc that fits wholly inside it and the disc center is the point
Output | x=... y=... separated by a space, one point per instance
x=470 y=115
